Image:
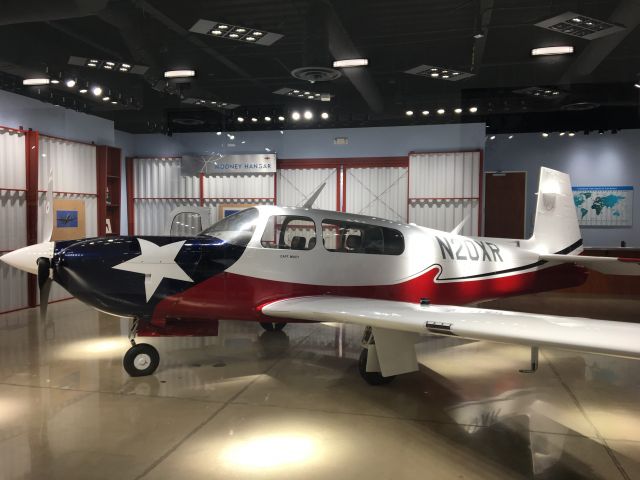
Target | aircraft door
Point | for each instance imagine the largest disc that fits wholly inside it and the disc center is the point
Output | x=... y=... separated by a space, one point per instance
x=187 y=221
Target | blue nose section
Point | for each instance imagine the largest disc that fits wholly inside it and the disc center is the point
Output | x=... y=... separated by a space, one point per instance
x=128 y=276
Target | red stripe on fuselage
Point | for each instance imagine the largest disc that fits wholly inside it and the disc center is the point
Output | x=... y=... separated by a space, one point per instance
x=239 y=297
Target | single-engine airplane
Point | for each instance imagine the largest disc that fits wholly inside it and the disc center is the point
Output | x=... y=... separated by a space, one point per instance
x=275 y=265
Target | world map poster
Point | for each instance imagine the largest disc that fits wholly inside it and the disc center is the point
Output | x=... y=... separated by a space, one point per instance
x=604 y=206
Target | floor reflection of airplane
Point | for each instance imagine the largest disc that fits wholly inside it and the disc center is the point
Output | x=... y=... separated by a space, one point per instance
x=278 y=264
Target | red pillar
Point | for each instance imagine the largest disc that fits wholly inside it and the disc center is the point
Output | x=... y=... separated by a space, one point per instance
x=32 y=154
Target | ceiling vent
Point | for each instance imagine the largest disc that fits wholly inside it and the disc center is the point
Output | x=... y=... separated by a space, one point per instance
x=316 y=74
x=580 y=26
x=439 y=73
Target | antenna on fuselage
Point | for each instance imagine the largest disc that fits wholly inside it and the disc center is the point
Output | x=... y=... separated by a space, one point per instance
x=311 y=200
x=460 y=226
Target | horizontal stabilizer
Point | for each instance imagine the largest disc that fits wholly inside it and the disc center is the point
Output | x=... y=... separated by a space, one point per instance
x=568 y=333
x=606 y=265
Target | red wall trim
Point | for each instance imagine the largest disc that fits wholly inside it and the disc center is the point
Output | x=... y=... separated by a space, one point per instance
x=240 y=198
x=481 y=193
x=166 y=198
x=86 y=194
x=32 y=153
x=13 y=189
x=286 y=163
x=442 y=198
x=11 y=129
x=130 y=193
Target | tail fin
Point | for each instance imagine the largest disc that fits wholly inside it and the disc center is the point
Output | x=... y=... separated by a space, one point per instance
x=556 y=229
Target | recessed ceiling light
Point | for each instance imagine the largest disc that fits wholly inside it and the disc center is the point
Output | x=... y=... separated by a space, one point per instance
x=70 y=83
x=92 y=65
x=458 y=110
x=35 y=81
x=439 y=73
x=250 y=39
x=473 y=109
x=111 y=64
x=105 y=99
x=240 y=119
x=571 y=134
x=217 y=31
x=254 y=119
x=218 y=133
x=55 y=82
x=353 y=62
x=441 y=111
x=425 y=112
x=223 y=27
x=234 y=35
x=308 y=115
x=581 y=26
x=295 y=116
x=561 y=134
x=114 y=102
x=324 y=115
x=510 y=137
x=408 y=113
x=257 y=34
x=558 y=50
x=492 y=137
x=545 y=134
x=179 y=73
x=83 y=90
x=281 y=118
x=107 y=67
x=267 y=119
x=97 y=91
x=637 y=85
x=241 y=30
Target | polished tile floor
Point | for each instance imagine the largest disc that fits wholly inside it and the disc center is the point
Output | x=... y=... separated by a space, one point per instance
x=291 y=405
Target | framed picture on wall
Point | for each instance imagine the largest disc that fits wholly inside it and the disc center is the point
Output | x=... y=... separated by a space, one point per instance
x=69 y=219
x=226 y=209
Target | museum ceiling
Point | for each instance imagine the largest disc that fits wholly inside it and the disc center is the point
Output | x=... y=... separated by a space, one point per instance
x=261 y=60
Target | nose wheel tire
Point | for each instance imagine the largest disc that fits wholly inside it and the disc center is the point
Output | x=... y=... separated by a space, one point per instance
x=273 y=326
x=140 y=360
x=372 y=378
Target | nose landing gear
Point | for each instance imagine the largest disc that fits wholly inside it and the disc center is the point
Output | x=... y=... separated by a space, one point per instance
x=273 y=326
x=141 y=359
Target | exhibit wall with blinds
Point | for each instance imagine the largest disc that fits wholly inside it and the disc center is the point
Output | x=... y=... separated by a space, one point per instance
x=13 y=214
x=74 y=178
x=159 y=188
x=377 y=191
x=297 y=183
x=444 y=189
x=224 y=193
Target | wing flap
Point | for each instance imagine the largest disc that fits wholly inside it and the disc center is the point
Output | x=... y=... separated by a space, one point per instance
x=569 y=333
x=606 y=265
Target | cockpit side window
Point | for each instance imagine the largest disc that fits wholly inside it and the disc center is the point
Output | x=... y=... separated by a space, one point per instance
x=355 y=237
x=236 y=229
x=289 y=232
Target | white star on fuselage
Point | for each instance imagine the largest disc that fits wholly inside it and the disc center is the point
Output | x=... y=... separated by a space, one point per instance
x=156 y=263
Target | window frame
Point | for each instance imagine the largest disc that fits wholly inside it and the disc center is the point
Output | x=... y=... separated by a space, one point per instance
x=347 y=225
x=282 y=231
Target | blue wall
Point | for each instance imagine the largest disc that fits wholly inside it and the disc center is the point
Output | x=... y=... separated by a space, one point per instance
x=17 y=110
x=317 y=143
x=589 y=159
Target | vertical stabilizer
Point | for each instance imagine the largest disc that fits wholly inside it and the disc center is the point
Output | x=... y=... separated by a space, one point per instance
x=556 y=227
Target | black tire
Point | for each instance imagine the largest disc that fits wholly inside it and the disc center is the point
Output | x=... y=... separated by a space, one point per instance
x=273 y=326
x=141 y=360
x=372 y=378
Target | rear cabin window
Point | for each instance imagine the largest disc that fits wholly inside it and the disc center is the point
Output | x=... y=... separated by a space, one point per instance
x=353 y=237
x=289 y=232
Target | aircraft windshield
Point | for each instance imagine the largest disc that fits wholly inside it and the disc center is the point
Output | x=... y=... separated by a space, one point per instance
x=236 y=229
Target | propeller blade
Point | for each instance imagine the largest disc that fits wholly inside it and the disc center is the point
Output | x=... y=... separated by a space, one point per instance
x=47 y=227
x=44 y=283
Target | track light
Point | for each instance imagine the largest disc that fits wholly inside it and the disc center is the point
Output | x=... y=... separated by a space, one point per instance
x=267 y=119
x=425 y=112
x=70 y=83
x=35 y=81
x=240 y=119
x=545 y=134
x=408 y=113
x=308 y=115
x=295 y=116
x=440 y=111
x=572 y=134
x=105 y=99
x=281 y=118
x=179 y=73
x=97 y=91
x=458 y=111
x=254 y=119
x=473 y=109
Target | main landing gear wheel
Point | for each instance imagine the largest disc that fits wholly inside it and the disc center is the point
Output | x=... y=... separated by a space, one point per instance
x=141 y=359
x=372 y=378
x=273 y=326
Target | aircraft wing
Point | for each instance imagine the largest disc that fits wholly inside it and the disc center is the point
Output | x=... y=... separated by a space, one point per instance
x=607 y=265
x=569 y=333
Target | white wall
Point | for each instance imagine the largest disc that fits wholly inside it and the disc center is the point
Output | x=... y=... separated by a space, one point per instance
x=17 y=110
x=590 y=160
x=126 y=142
